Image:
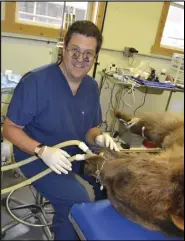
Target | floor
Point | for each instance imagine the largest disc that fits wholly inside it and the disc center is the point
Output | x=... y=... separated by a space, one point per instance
x=20 y=231
x=27 y=195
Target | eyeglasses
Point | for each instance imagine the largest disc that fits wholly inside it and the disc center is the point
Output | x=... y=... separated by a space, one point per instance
x=75 y=53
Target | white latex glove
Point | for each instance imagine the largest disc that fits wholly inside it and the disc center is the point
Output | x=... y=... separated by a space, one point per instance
x=105 y=140
x=56 y=159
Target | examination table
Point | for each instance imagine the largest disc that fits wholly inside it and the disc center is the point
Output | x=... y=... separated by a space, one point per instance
x=100 y=221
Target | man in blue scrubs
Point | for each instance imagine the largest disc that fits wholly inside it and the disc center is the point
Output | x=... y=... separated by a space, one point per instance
x=53 y=104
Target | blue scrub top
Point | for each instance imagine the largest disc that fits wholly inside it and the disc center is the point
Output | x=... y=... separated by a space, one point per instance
x=44 y=104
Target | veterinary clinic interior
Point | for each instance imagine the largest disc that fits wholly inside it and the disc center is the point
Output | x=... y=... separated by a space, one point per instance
x=92 y=120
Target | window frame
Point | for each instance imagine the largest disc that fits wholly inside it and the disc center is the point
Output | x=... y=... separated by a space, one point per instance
x=156 y=48
x=10 y=25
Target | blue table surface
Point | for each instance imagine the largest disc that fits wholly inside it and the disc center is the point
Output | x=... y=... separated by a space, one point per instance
x=100 y=221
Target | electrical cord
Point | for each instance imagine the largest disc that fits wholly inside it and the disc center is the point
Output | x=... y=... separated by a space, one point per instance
x=120 y=134
x=111 y=96
x=123 y=97
x=109 y=105
x=130 y=63
x=111 y=101
x=107 y=126
x=103 y=81
x=102 y=84
x=130 y=91
x=116 y=95
x=146 y=91
x=108 y=85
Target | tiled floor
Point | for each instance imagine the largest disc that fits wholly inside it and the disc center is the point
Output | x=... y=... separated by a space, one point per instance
x=20 y=231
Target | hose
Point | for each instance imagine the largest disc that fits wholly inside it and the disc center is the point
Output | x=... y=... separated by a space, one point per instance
x=77 y=157
x=80 y=144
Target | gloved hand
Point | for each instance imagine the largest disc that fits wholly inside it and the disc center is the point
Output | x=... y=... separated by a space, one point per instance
x=105 y=140
x=56 y=159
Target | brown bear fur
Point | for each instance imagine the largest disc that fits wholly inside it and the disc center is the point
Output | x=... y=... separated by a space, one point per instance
x=148 y=188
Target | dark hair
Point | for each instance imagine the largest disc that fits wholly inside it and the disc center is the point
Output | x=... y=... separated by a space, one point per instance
x=86 y=28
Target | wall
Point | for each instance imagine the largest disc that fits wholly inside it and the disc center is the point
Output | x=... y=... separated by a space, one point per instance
x=22 y=55
x=132 y=24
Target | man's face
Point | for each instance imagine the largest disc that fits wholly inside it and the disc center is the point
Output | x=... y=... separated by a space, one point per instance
x=79 y=55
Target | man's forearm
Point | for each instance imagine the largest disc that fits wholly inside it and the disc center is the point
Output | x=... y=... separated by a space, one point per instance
x=92 y=134
x=19 y=138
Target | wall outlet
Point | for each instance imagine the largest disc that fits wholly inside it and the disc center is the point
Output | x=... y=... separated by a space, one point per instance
x=129 y=51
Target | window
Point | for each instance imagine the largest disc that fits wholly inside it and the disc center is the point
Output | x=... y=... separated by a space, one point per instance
x=170 y=34
x=45 y=18
x=173 y=34
x=51 y=13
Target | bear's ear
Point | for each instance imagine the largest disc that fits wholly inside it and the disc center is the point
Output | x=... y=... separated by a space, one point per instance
x=178 y=221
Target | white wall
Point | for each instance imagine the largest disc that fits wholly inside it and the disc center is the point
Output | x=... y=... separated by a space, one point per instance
x=22 y=55
x=132 y=24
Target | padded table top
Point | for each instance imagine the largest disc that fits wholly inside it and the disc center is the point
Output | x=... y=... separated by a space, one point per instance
x=100 y=221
